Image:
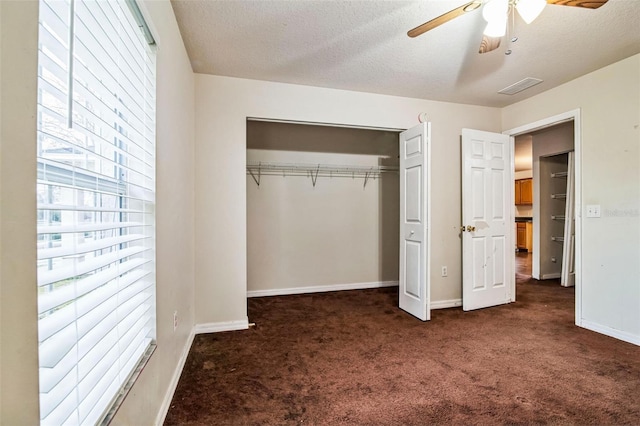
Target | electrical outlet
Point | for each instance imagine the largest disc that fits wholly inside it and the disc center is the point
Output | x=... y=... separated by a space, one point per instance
x=175 y=320
x=444 y=271
x=593 y=210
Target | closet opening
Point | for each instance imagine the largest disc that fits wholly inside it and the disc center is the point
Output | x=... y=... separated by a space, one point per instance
x=322 y=208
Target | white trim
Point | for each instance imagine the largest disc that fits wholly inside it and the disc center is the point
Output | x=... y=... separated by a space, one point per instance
x=550 y=276
x=574 y=115
x=318 y=123
x=544 y=123
x=216 y=327
x=173 y=384
x=511 y=211
x=444 y=304
x=611 y=332
x=320 y=288
x=429 y=196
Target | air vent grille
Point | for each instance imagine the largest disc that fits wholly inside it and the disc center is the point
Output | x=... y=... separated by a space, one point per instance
x=520 y=86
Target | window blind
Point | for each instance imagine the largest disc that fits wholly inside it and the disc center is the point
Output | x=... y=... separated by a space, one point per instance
x=96 y=205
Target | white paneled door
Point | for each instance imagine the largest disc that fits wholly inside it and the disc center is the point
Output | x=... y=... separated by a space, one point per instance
x=414 y=221
x=487 y=247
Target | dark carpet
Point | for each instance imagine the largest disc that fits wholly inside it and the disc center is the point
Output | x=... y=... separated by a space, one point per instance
x=354 y=358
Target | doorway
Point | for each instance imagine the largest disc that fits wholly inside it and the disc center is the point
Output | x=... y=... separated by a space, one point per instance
x=523 y=201
x=567 y=121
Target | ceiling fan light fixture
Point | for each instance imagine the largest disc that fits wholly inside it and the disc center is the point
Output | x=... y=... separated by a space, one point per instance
x=496 y=28
x=529 y=10
x=495 y=10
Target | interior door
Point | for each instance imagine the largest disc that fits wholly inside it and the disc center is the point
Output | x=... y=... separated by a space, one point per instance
x=414 y=221
x=487 y=204
x=568 y=275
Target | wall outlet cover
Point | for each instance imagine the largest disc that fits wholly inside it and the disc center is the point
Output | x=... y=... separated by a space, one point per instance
x=593 y=210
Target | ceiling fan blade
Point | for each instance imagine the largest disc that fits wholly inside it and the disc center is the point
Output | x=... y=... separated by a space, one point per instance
x=468 y=7
x=589 y=4
x=489 y=43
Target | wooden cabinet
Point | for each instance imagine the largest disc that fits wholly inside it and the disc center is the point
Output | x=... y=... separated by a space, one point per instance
x=529 y=240
x=521 y=240
x=524 y=191
x=524 y=236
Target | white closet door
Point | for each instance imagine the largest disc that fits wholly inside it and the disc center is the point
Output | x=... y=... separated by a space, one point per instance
x=414 y=221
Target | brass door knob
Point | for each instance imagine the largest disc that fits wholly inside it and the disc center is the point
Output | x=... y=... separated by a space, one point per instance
x=462 y=228
x=471 y=228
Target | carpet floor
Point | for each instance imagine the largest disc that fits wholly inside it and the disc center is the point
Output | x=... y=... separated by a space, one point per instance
x=355 y=358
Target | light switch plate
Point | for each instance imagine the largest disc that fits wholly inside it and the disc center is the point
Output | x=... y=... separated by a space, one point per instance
x=593 y=210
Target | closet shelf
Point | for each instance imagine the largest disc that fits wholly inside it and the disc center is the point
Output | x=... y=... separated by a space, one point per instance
x=313 y=171
x=559 y=175
x=558 y=196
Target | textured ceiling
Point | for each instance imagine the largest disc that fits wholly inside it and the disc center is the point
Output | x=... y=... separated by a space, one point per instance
x=363 y=46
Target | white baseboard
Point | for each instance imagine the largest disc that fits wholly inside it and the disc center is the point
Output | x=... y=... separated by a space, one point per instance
x=320 y=288
x=173 y=384
x=216 y=327
x=444 y=304
x=551 y=276
x=611 y=332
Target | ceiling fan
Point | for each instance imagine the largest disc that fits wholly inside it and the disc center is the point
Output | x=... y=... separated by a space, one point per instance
x=496 y=13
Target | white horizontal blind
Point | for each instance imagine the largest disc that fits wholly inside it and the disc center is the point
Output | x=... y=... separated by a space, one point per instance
x=96 y=202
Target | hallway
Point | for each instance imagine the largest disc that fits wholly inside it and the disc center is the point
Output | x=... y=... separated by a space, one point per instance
x=523 y=265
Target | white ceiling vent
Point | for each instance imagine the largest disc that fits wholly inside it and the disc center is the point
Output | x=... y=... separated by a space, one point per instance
x=520 y=86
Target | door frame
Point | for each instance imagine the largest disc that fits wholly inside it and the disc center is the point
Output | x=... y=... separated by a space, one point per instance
x=573 y=115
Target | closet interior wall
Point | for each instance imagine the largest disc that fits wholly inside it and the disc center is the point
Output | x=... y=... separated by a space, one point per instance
x=553 y=193
x=340 y=232
x=550 y=148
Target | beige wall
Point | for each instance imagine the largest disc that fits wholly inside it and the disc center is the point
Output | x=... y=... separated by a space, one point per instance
x=175 y=203
x=222 y=107
x=174 y=218
x=609 y=101
x=334 y=233
x=18 y=325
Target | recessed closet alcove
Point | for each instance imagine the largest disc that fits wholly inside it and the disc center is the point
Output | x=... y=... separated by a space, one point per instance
x=322 y=208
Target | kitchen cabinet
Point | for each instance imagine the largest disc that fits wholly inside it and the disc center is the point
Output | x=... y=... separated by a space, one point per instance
x=524 y=236
x=521 y=240
x=524 y=191
x=529 y=236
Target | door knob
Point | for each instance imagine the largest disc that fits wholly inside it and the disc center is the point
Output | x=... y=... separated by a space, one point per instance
x=462 y=228
x=471 y=228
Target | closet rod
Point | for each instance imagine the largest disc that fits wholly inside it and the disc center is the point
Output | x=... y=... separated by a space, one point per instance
x=256 y=170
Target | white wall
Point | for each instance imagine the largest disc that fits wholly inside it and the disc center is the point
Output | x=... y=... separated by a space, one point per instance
x=222 y=107
x=609 y=100
x=175 y=204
